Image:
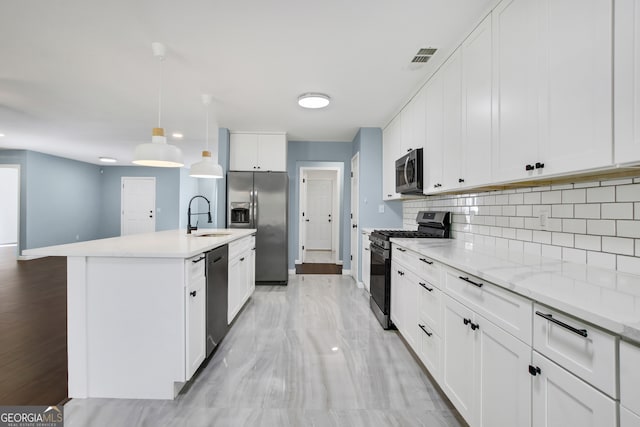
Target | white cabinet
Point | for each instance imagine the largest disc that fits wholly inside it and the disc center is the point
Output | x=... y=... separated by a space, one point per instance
x=412 y=123
x=562 y=399
x=552 y=101
x=433 y=148
x=366 y=262
x=258 y=152
x=628 y=418
x=630 y=378
x=391 y=151
x=241 y=275
x=627 y=82
x=451 y=125
x=195 y=313
x=404 y=311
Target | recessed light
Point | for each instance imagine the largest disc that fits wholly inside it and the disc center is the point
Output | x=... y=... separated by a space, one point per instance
x=177 y=135
x=313 y=100
x=1 y=135
x=107 y=159
x=334 y=349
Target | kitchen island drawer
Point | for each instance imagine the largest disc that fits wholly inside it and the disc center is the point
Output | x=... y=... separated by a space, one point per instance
x=507 y=310
x=630 y=376
x=240 y=246
x=584 y=350
x=195 y=267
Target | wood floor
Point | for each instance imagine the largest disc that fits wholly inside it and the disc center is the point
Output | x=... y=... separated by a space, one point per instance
x=33 y=330
x=318 y=268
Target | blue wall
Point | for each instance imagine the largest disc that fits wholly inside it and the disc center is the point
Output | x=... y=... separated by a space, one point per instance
x=19 y=157
x=368 y=142
x=224 y=138
x=307 y=154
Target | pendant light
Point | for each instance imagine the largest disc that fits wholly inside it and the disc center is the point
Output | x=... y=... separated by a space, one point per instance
x=206 y=168
x=158 y=153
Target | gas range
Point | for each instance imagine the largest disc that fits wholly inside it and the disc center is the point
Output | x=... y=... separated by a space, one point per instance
x=430 y=225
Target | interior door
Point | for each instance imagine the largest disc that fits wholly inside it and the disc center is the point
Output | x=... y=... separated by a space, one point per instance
x=355 y=241
x=319 y=208
x=138 y=205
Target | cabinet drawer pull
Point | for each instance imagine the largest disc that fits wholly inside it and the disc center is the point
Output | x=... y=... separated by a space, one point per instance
x=401 y=250
x=549 y=317
x=401 y=273
x=253 y=249
x=466 y=321
x=534 y=370
x=242 y=259
x=198 y=260
x=424 y=285
x=529 y=167
x=424 y=330
x=193 y=293
x=474 y=326
x=426 y=261
x=539 y=165
x=217 y=259
x=466 y=279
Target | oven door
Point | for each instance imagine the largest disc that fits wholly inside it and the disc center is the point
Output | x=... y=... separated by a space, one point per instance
x=381 y=278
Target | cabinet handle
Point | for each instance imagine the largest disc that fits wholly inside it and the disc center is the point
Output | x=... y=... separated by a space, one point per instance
x=474 y=326
x=242 y=259
x=217 y=259
x=534 y=370
x=253 y=249
x=425 y=331
x=401 y=273
x=425 y=260
x=460 y=180
x=254 y=167
x=539 y=165
x=198 y=260
x=389 y=195
x=424 y=285
x=549 y=317
x=193 y=293
x=466 y=321
x=366 y=249
x=437 y=185
x=401 y=250
x=466 y=279
x=529 y=167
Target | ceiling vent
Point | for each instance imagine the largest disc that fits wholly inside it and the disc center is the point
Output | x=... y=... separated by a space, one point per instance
x=423 y=55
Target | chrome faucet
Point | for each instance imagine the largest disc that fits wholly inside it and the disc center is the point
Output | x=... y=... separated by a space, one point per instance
x=191 y=228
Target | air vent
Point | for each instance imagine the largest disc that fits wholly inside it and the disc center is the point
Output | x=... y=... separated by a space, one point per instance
x=423 y=55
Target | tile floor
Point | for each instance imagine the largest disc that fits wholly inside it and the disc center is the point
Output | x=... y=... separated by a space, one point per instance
x=308 y=354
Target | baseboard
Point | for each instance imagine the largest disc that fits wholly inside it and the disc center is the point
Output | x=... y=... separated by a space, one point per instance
x=292 y=271
x=360 y=284
x=339 y=262
x=346 y=272
x=297 y=261
x=29 y=257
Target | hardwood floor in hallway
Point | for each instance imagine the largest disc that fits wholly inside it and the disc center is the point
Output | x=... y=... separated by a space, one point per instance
x=33 y=330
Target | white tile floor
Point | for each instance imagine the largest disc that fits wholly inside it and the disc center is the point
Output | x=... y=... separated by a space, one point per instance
x=307 y=354
x=319 y=257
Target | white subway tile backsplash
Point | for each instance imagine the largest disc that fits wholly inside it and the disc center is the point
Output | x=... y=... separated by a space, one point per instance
x=617 y=245
x=593 y=222
x=601 y=194
x=617 y=210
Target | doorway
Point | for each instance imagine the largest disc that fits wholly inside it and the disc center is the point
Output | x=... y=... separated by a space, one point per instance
x=138 y=205
x=320 y=218
x=355 y=240
x=10 y=201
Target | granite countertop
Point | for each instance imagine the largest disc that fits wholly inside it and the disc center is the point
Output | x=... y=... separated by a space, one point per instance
x=605 y=298
x=161 y=244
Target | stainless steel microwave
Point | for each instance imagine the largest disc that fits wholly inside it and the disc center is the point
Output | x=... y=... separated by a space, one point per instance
x=409 y=173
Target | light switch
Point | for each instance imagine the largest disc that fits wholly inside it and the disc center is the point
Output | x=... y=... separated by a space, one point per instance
x=380 y=208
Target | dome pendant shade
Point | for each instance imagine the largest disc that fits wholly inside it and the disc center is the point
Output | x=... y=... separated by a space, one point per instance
x=158 y=153
x=206 y=168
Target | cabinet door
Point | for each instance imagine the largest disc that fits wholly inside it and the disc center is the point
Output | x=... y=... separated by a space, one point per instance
x=628 y=418
x=406 y=128
x=504 y=397
x=576 y=97
x=243 y=154
x=366 y=262
x=196 y=325
x=515 y=88
x=476 y=106
x=235 y=283
x=252 y=269
x=396 y=296
x=562 y=399
x=390 y=153
x=272 y=152
x=410 y=308
x=452 y=125
x=627 y=81
x=429 y=348
x=459 y=376
x=630 y=376
x=433 y=147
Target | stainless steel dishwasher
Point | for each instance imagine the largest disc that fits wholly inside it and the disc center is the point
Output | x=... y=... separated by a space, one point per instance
x=217 y=296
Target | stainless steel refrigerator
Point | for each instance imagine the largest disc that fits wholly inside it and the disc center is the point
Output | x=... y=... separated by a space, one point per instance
x=260 y=200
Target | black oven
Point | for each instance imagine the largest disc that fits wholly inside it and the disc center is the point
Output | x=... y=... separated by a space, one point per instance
x=409 y=173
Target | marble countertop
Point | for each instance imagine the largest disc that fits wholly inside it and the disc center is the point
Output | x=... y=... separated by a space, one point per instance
x=605 y=298
x=161 y=244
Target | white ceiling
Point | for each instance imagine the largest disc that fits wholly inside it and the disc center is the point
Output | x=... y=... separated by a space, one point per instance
x=78 y=79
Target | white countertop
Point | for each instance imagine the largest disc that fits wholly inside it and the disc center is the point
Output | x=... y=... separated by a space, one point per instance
x=605 y=298
x=162 y=244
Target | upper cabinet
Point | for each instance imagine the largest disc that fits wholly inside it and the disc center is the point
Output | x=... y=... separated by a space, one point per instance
x=434 y=133
x=258 y=152
x=391 y=151
x=627 y=81
x=552 y=87
x=451 y=123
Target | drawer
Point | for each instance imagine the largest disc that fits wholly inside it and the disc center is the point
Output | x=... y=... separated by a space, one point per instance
x=238 y=247
x=430 y=305
x=423 y=266
x=584 y=350
x=195 y=267
x=628 y=418
x=507 y=310
x=430 y=350
x=630 y=376
x=404 y=256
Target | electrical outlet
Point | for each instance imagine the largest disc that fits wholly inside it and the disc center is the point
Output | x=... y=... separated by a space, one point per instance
x=543 y=219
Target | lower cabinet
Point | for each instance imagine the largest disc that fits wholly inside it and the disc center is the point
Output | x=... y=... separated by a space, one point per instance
x=628 y=418
x=196 y=324
x=366 y=262
x=241 y=274
x=562 y=399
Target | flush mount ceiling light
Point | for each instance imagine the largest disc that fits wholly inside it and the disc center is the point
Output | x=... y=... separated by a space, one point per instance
x=177 y=135
x=107 y=159
x=158 y=153
x=313 y=100
x=1 y=135
x=206 y=168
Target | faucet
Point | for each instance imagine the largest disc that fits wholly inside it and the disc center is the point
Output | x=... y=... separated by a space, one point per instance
x=191 y=228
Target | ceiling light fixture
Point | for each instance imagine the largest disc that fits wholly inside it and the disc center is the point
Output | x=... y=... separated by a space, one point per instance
x=313 y=100
x=177 y=135
x=1 y=135
x=107 y=159
x=158 y=153
x=206 y=168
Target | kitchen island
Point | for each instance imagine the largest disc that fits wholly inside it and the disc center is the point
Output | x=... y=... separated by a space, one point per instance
x=136 y=310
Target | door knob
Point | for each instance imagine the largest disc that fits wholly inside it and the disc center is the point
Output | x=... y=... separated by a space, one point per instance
x=150 y=216
x=306 y=220
x=354 y=226
x=329 y=219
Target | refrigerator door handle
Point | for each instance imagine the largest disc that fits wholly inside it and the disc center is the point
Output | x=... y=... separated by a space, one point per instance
x=255 y=208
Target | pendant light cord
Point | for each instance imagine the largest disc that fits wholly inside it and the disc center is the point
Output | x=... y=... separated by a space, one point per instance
x=207 y=128
x=160 y=96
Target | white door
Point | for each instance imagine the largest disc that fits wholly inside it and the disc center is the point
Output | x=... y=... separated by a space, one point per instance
x=10 y=197
x=355 y=241
x=138 y=201
x=318 y=214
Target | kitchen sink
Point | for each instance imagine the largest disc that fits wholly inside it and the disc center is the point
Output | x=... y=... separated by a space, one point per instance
x=211 y=232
